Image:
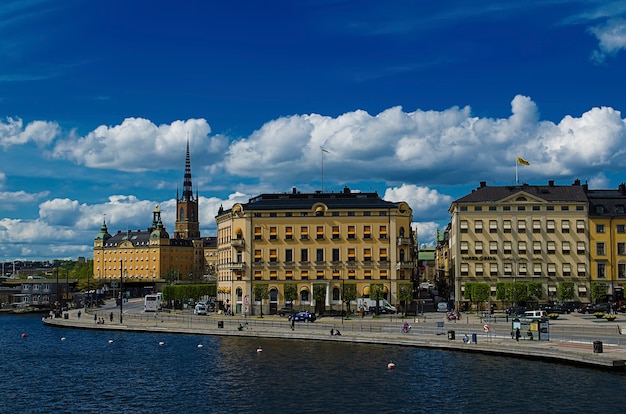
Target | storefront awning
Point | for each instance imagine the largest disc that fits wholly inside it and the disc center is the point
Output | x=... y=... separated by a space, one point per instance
x=551 y=288
x=582 y=289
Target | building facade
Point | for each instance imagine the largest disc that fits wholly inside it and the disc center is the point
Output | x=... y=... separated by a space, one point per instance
x=306 y=239
x=531 y=234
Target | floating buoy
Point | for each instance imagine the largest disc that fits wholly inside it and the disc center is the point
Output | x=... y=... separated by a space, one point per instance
x=63 y=338
x=110 y=341
x=391 y=365
x=199 y=345
x=259 y=349
x=23 y=335
x=161 y=343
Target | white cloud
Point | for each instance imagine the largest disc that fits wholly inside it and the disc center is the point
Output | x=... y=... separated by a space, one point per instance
x=13 y=132
x=138 y=145
x=611 y=37
x=426 y=203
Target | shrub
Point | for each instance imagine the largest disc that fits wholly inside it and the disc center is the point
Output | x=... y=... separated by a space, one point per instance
x=598 y=314
x=553 y=315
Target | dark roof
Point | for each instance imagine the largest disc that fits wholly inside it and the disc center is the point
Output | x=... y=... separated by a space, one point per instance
x=607 y=203
x=141 y=238
x=303 y=201
x=550 y=192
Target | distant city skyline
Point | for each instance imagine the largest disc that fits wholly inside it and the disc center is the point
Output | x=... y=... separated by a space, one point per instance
x=418 y=101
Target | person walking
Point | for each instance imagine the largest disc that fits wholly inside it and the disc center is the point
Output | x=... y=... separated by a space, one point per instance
x=517 y=334
x=293 y=323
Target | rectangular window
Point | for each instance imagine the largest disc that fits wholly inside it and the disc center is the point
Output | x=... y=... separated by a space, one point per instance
x=289 y=255
x=258 y=275
x=383 y=232
x=479 y=269
x=478 y=247
x=550 y=208
x=320 y=275
x=565 y=226
x=493 y=247
x=508 y=269
x=304 y=233
x=521 y=247
x=536 y=226
x=551 y=247
x=383 y=254
x=580 y=247
x=600 y=251
x=492 y=208
x=567 y=269
x=289 y=233
x=304 y=275
x=601 y=270
x=464 y=247
x=478 y=208
x=273 y=255
x=536 y=247
x=464 y=269
x=507 y=226
x=351 y=254
x=536 y=269
x=566 y=247
x=621 y=270
x=493 y=269
x=507 y=247
x=273 y=233
x=478 y=226
x=351 y=232
x=319 y=233
x=336 y=256
x=367 y=232
x=582 y=270
x=521 y=208
x=367 y=255
x=463 y=226
x=550 y=226
x=493 y=226
x=521 y=226
x=336 y=233
x=383 y=274
x=521 y=269
x=580 y=226
x=304 y=255
x=600 y=228
x=273 y=273
x=621 y=248
x=551 y=269
x=564 y=208
x=257 y=233
x=319 y=255
x=258 y=257
x=621 y=228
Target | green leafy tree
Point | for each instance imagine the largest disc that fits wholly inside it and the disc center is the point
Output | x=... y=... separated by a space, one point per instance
x=501 y=291
x=535 y=290
x=291 y=293
x=261 y=293
x=319 y=294
x=377 y=292
x=598 y=291
x=172 y=276
x=566 y=291
x=405 y=294
x=348 y=294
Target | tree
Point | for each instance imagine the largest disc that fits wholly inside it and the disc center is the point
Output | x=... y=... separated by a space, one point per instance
x=377 y=292
x=172 y=276
x=477 y=292
x=348 y=294
x=291 y=293
x=405 y=294
x=535 y=290
x=598 y=291
x=261 y=293
x=566 y=291
x=319 y=294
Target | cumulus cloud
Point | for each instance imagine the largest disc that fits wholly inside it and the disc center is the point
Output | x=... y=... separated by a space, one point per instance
x=426 y=203
x=434 y=147
x=138 y=145
x=611 y=39
x=13 y=132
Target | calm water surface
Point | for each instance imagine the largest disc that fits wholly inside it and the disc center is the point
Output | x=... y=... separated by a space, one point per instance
x=85 y=373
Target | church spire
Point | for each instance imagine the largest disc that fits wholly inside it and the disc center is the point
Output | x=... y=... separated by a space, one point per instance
x=187 y=222
x=187 y=187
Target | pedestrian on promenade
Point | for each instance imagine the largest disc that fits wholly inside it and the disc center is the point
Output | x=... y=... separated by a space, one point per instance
x=95 y=317
x=517 y=334
x=78 y=314
x=332 y=331
x=111 y=316
x=293 y=323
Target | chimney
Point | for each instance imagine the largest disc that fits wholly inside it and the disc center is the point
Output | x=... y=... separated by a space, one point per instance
x=551 y=183
x=483 y=184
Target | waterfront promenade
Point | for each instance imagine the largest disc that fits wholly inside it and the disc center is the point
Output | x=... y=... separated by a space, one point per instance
x=574 y=338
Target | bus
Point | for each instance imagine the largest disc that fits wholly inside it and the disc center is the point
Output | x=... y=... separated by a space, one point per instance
x=152 y=303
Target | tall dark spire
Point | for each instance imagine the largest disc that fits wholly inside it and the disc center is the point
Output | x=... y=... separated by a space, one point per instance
x=187 y=187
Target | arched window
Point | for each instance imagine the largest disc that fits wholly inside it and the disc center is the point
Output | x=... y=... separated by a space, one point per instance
x=336 y=295
x=304 y=296
x=273 y=295
x=401 y=255
x=401 y=231
x=181 y=215
x=239 y=294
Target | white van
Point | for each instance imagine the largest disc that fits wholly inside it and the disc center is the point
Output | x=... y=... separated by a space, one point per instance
x=536 y=314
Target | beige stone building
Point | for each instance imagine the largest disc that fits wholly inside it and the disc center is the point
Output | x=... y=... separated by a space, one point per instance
x=304 y=239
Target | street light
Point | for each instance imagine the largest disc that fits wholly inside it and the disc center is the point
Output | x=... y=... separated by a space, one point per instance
x=121 y=298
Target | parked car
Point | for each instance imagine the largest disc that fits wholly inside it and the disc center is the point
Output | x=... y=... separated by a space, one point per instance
x=516 y=310
x=200 y=309
x=302 y=317
x=598 y=307
x=571 y=306
x=285 y=311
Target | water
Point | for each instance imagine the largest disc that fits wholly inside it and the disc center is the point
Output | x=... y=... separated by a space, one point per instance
x=86 y=374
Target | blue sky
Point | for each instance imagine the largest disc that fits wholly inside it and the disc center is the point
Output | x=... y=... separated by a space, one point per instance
x=417 y=100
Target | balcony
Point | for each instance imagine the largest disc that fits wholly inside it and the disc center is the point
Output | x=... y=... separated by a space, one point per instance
x=237 y=266
x=404 y=241
x=237 y=243
x=404 y=265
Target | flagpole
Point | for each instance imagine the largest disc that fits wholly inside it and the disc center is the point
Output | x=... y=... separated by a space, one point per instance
x=322 y=170
x=516 y=179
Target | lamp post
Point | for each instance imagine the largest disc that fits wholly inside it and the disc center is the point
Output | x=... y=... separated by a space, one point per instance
x=121 y=297
x=67 y=287
x=343 y=292
x=57 y=289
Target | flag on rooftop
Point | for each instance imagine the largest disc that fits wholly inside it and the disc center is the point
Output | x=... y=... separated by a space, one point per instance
x=522 y=161
x=325 y=150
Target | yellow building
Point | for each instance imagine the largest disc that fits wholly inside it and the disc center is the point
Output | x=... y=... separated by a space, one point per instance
x=607 y=235
x=307 y=239
x=143 y=258
x=521 y=233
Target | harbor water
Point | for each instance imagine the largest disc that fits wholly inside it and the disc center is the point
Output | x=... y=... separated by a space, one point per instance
x=46 y=369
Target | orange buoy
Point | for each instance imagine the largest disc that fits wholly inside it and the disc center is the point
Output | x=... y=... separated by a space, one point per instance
x=23 y=335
